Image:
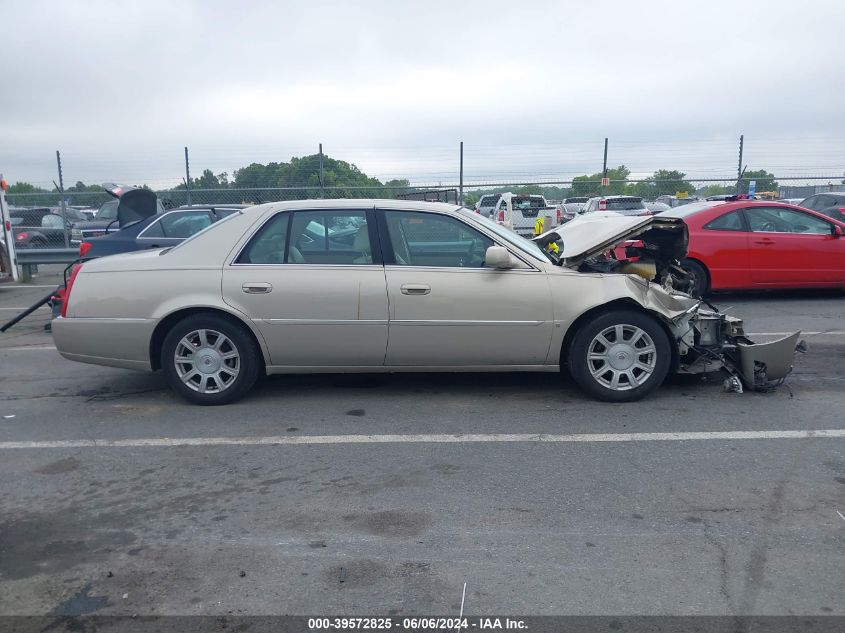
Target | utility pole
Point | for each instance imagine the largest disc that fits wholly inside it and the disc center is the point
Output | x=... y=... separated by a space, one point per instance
x=322 y=190
x=604 y=167
x=461 y=178
x=187 y=176
x=739 y=169
x=64 y=204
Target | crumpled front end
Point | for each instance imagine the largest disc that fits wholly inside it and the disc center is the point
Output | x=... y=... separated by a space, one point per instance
x=709 y=340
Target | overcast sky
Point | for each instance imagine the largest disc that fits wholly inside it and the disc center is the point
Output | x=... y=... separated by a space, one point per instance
x=532 y=88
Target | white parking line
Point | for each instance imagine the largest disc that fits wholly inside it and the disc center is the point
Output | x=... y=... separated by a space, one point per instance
x=841 y=516
x=277 y=440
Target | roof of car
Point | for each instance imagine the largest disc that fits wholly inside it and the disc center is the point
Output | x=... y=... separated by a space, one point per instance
x=186 y=207
x=359 y=203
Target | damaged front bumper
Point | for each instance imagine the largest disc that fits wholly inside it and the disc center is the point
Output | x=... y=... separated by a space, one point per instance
x=709 y=340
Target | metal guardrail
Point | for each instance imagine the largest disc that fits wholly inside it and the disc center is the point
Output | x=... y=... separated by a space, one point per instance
x=32 y=256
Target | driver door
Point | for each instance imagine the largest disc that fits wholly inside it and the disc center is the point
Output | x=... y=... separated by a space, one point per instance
x=789 y=247
x=447 y=308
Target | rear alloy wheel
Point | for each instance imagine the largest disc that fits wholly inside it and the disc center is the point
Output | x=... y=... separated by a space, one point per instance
x=699 y=279
x=210 y=360
x=620 y=356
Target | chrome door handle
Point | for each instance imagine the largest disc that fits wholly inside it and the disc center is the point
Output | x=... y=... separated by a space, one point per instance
x=257 y=288
x=415 y=289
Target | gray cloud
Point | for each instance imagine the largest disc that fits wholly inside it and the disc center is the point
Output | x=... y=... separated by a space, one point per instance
x=530 y=87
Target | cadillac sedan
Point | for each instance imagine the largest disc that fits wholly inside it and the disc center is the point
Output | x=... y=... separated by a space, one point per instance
x=388 y=285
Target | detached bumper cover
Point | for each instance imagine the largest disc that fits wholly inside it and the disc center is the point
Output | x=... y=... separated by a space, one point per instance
x=761 y=364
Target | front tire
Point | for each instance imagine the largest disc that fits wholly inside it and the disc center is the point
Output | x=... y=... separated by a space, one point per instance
x=209 y=360
x=699 y=277
x=620 y=356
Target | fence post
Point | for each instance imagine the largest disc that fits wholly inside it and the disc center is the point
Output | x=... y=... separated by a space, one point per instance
x=461 y=181
x=322 y=191
x=739 y=169
x=63 y=203
x=187 y=177
x=604 y=164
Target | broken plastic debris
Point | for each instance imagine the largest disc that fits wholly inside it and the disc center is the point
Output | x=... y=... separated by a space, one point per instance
x=732 y=383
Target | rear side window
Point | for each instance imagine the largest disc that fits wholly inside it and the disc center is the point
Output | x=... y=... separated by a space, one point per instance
x=729 y=222
x=268 y=245
x=330 y=237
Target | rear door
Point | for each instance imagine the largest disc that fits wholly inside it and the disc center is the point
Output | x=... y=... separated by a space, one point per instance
x=788 y=247
x=313 y=283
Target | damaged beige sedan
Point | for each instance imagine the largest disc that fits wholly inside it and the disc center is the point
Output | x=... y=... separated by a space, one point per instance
x=390 y=286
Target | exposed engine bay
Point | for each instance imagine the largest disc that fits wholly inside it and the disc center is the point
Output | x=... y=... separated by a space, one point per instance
x=707 y=340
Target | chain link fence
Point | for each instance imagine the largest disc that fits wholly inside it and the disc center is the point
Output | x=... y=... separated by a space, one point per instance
x=40 y=220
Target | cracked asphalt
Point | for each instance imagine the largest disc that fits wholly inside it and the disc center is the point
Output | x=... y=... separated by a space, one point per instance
x=694 y=527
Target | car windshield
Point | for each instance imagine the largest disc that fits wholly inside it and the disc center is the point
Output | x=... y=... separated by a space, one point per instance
x=527 y=202
x=526 y=246
x=210 y=227
x=572 y=200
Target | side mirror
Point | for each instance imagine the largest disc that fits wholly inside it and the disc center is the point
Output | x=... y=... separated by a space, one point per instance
x=836 y=231
x=499 y=257
x=842 y=211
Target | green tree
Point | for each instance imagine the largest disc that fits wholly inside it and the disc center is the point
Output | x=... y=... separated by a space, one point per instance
x=591 y=185
x=764 y=181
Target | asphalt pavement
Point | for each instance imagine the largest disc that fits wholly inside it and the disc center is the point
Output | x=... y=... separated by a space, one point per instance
x=380 y=494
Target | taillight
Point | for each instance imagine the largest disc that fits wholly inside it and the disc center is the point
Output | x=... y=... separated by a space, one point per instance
x=602 y=205
x=66 y=298
x=8 y=225
x=501 y=216
x=559 y=215
x=84 y=247
x=23 y=235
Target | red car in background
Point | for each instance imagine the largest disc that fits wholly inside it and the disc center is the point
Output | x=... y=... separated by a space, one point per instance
x=742 y=244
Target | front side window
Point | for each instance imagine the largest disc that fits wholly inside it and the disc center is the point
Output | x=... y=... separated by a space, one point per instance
x=729 y=222
x=430 y=239
x=778 y=220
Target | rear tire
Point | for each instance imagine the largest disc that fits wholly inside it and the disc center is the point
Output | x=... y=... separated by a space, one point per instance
x=210 y=360
x=700 y=278
x=620 y=356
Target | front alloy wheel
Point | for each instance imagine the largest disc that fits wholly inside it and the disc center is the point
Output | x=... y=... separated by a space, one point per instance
x=620 y=356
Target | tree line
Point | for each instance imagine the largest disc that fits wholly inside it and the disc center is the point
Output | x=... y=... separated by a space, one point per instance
x=302 y=177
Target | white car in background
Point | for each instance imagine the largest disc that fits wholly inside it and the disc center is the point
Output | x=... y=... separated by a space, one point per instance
x=519 y=213
x=623 y=205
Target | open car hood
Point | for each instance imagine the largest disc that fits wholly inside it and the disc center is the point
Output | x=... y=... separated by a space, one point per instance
x=135 y=203
x=590 y=235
